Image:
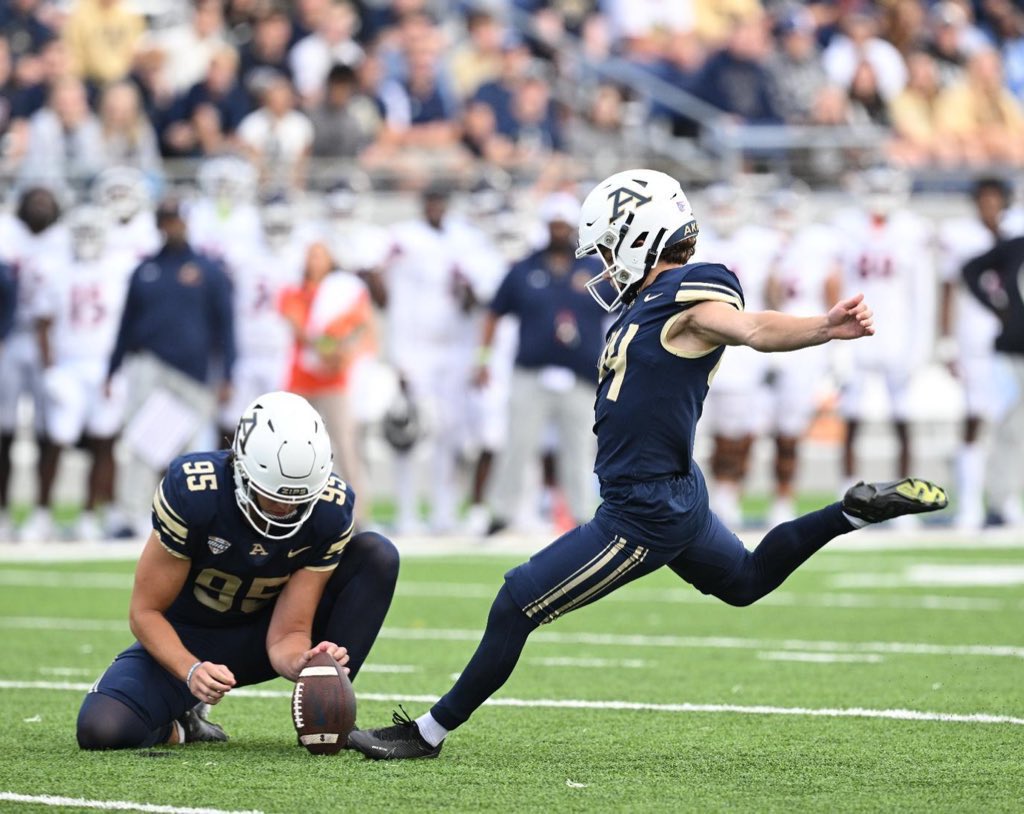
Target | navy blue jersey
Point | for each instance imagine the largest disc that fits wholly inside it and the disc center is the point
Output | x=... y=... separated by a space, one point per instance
x=235 y=571
x=650 y=396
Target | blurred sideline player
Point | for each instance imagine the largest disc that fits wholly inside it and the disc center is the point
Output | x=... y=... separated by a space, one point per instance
x=736 y=405
x=804 y=281
x=260 y=271
x=224 y=215
x=968 y=332
x=358 y=245
x=29 y=241
x=78 y=312
x=122 y=192
x=439 y=271
x=251 y=560
x=661 y=354
x=888 y=257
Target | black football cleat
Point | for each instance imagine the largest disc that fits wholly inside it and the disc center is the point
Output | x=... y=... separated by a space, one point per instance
x=876 y=502
x=198 y=728
x=399 y=742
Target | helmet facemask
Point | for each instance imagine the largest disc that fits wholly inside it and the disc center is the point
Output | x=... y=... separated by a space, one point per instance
x=273 y=527
x=617 y=275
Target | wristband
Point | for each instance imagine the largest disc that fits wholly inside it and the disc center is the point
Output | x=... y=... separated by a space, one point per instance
x=188 y=678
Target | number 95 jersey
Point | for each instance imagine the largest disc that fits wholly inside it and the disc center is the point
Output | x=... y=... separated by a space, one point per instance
x=235 y=571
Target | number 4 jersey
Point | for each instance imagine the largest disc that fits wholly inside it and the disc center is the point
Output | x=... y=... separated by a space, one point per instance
x=235 y=571
x=650 y=395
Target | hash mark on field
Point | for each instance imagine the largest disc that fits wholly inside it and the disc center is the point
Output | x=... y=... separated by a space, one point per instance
x=820 y=658
x=930 y=575
x=110 y=805
x=632 y=664
x=628 y=706
x=66 y=671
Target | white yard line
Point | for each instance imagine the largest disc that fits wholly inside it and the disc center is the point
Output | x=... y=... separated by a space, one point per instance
x=886 y=540
x=604 y=664
x=109 y=805
x=820 y=658
x=636 y=594
x=637 y=706
x=605 y=639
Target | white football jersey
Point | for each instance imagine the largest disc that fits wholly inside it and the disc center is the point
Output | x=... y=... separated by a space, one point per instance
x=748 y=253
x=802 y=268
x=85 y=301
x=259 y=275
x=960 y=240
x=138 y=237
x=34 y=258
x=215 y=232
x=427 y=271
x=357 y=245
x=891 y=262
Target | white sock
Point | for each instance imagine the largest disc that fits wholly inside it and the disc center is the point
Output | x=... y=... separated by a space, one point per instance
x=430 y=730
x=856 y=522
x=179 y=730
x=970 y=472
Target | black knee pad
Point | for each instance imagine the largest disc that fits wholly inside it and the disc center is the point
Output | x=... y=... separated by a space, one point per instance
x=376 y=552
x=106 y=723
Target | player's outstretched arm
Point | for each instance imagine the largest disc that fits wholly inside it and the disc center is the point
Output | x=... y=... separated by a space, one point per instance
x=159 y=578
x=709 y=324
x=288 y=637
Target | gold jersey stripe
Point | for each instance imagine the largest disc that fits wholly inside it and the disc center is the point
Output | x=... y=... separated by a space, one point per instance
x=167 y=515
x=636 y=557
x=166 y=532
x=706 y=294
x=173 y=553
x=330 y=567
x=542 y=599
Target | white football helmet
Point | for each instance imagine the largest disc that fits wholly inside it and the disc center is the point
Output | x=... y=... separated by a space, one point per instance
x=282 y=453
x=278 y=222
x=628 y=220
x=228 y=179
x=122 y=191
x=87 y=226
x=883 y=190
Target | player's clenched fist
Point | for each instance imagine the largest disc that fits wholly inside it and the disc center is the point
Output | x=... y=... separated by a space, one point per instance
x=851 y=319
x=210 y=682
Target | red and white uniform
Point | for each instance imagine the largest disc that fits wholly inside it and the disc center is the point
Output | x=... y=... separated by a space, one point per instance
x=801 y=271
x=84 y=305
x=263 y=337
x=215 y=230
x=733 y=404
x=32 y=257
x=891 y=262
x=137 y=237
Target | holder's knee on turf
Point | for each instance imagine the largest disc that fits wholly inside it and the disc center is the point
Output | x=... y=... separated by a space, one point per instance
x=106 y=723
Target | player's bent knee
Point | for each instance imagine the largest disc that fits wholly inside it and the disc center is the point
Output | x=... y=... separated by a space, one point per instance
x=378 y=553
x=106 y=723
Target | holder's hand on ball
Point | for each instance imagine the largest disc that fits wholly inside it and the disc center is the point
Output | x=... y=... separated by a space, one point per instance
x=339 y=654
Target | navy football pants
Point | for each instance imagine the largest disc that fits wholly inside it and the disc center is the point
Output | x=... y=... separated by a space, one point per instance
x=601 y=556
x=135 y=701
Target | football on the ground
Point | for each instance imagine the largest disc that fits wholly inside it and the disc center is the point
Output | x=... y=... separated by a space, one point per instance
x=323 y=706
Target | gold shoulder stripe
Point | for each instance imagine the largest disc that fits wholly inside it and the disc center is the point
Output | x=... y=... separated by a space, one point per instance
x=702 y=284
x=682 y=354
x=718 y=296
x=173 y=513
x=174 y=553
x=167 y=515
x=340 y=543
x=166 y=532
x=330 y=567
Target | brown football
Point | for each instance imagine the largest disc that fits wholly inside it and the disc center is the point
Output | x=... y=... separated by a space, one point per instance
x=323 y=706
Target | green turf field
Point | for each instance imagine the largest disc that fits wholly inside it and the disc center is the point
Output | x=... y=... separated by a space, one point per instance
x=714 y=708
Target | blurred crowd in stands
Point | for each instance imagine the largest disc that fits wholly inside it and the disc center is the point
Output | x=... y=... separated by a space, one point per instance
x=86 y=84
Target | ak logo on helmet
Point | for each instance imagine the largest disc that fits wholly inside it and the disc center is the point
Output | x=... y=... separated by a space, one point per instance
x=621 y=199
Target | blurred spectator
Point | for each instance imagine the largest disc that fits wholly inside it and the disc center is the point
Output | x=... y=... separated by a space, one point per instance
x=560 y=334
x=715 y=19
x=52 y=63
x=332 y=320
x=332 y=42
x=102 y=36
x=65 y=141
x=478 y=59
x=147 y=75
x=858 y=43
x=866 y=103
x=345 y=122
x=205 y=119
x=980 y=116
x=418 y=107
x=913 y=112
x=680 y=66
x=128 y=137
x=277 y=138
x=599 y=134
x=1008 y=29
x=515 y=65
x=21 y=26
x=640 y=24
x=480 y=136
x=952 y=39
x=7 y=91
x=535 y=131
x=189 y=47
x=904 y=24
x=269 y=46
x=735 y=79
x=798 y=76
x=177 y=321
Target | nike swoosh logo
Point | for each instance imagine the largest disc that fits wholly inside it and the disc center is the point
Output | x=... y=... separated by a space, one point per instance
x=650 y=297
x=298 y=551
